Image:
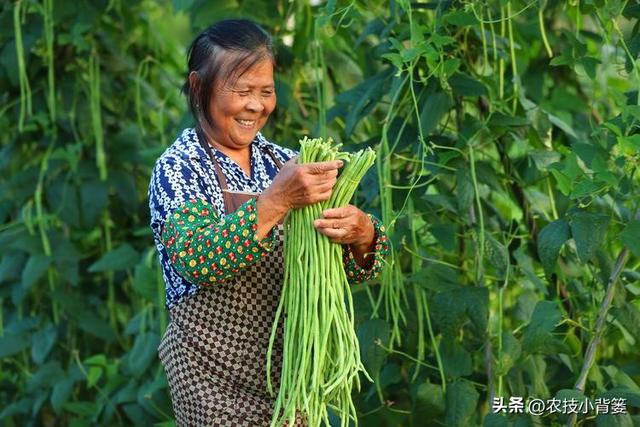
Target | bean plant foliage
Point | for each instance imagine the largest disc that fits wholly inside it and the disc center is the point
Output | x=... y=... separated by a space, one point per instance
x=507 y=145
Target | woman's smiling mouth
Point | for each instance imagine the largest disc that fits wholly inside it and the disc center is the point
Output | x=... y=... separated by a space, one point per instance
x=246 y=123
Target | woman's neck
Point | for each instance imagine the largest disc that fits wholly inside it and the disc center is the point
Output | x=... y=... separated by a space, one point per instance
x=242 y=156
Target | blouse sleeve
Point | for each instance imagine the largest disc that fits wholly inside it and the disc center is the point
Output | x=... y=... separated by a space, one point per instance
x=357 y=274
x=206 y=249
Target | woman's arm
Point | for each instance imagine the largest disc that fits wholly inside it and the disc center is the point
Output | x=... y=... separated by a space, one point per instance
x=206 y=249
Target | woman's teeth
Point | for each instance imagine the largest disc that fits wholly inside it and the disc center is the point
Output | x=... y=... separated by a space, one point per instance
x=246 y=122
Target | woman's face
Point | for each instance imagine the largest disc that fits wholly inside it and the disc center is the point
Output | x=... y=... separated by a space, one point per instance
x=239 y=108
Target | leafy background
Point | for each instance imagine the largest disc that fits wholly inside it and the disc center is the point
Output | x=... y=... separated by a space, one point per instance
x=507 y=139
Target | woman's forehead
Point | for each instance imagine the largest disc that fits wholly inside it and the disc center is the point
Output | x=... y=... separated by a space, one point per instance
x=258 y=74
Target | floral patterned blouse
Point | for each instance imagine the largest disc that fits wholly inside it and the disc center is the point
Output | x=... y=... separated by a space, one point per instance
x=197 y=243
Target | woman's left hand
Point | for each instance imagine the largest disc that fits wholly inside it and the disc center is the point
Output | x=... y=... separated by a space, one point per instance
x=347 y=225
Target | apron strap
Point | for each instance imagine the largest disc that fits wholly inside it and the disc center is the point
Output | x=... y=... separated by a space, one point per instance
x=230 y=205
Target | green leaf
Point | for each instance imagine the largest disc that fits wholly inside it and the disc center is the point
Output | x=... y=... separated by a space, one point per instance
x=460 y=18
x=93 y=375
x=589 y=64
x=586 y=187
x=617 y=420
x=550 y=241
x=121 y=258
x=417 y=32
x=22 y=406
x=503 y=120
x=526 y=265
x=437 y=277
x=83 y=315
x=152 y=395
x=144 y=281
x=632 y=397
x=566 y=173
x=46 y=376
x=143 y=353
x=629 y=144
x=462 y=399
x=451 y=308
x=34 y=269
x=621 y=379
x=430 y=399
x=12 y=343
x=511 y=351
x=543 y=321
x=445 y=234
x=60 y=394
x=630 y=236
x=497 y=255
x=97 y=360
x=93 y=196
x=543 y=159
x=456 y=361
x=495 y=420
x=629 y=316
x=11 y=266
x=465 y=85
x=390 y=374
x=588 y=231
x=81 y=408
x=566 y=128
x=372 y=354
x=435 y=107
x=42 y=342
x=450 y=66
x=464 y=190
x=563 y=59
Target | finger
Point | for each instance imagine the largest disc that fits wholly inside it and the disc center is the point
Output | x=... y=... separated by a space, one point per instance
x=322 y=167
x=336 y=234
x=323 y=186
x=321 y=197
x=331 y=223
x=328 y=174
x=341 y=212
x=291 y=161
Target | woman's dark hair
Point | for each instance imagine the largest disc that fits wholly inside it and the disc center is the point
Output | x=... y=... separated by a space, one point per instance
x=208 y=56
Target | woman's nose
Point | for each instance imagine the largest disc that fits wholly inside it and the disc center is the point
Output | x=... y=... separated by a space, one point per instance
x=255 y=105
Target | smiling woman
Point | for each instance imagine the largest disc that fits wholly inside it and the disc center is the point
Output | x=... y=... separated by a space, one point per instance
x=217 y=198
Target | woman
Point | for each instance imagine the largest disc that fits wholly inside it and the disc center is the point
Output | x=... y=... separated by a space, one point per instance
x=217 y=196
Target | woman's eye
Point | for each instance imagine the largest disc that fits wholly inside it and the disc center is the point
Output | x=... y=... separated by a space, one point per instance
x=243 y=93
x=267 y=93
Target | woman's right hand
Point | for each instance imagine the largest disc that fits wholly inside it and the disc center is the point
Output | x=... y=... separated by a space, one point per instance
x=295 y=186
x=298 y=185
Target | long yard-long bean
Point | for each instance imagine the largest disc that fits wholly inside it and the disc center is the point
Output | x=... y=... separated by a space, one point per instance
x=321 y=355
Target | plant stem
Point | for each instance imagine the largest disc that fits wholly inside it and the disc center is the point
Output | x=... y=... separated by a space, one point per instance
x=474 y=178
x=514 y=69
x=598 y=330
x=544 y=33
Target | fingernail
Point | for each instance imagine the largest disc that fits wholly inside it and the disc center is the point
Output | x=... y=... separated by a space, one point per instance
x=340 y=163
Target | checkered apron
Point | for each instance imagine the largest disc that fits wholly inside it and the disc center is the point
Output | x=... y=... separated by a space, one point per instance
x=214 y=350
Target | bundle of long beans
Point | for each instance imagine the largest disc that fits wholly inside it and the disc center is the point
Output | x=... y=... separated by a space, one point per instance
x=321 y=356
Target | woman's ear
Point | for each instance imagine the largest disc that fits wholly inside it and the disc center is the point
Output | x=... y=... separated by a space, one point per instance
x=194 y=82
